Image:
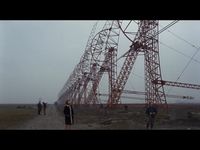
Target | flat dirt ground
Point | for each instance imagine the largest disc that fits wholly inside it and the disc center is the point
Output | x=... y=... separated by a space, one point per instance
x=179 y=116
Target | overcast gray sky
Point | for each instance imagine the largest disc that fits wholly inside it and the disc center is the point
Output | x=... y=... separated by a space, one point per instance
x=37 y=57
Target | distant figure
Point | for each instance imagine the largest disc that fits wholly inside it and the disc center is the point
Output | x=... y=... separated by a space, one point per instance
x=39 y=105
x=69 y=115
x=101 y=106
x=44 y=107
x=106 y=110
x=126 y=107
x=151 y=112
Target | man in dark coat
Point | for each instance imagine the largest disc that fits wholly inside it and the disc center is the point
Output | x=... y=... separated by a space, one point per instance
x=69 y=115
x=39 y=105
x=151 y=112
x=44 y=107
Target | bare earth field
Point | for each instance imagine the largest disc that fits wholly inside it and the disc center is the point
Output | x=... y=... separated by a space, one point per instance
x=12 y=115
x=135 y=119
x=180 y=116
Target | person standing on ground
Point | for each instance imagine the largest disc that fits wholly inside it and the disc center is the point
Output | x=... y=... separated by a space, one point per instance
x=151 y=112
x=39 y=105
x=44 y=107
x=69 y=115
x=126 y=107
x=106 y=110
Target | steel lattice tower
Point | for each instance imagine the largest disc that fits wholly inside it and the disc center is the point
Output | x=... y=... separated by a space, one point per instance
x=154 y=92
x=101 y=56
x=145 y=41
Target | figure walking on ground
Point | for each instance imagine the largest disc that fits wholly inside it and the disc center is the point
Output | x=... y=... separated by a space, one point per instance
x=151 y=112
x=39 y=105
x=69 y=115
x=44 y=107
